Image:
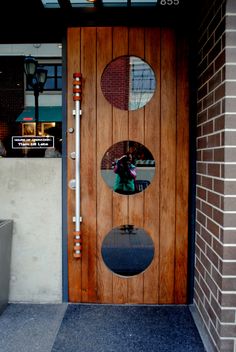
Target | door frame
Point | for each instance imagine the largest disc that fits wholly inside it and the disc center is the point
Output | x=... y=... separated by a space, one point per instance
x=192 y=196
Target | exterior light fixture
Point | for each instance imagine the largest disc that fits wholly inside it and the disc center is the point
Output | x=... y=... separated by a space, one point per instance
x=36 y=78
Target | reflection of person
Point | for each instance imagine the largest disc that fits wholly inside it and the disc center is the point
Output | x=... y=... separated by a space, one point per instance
x=54 y=152
x=28 y=129
x=3 y=151
x=125 y=171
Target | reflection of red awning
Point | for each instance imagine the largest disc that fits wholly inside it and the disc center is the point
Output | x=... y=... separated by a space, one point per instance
x=46 y=114
x=28 y=118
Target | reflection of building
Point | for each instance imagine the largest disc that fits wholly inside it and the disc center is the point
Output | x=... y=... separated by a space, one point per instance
x=17 y=109
x=141 y=155
x=128 y=82
x=142 y=83
x=11 y=95
x=117 y=90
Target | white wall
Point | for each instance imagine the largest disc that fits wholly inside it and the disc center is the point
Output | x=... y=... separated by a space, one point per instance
x=30 y=194
x=38 y=50
x=45 y=99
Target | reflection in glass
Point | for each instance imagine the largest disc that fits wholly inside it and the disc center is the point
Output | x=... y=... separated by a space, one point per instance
x=127 y=250
x=25 y=133
x=128 y=83
x=128 y=167
x=17 y=115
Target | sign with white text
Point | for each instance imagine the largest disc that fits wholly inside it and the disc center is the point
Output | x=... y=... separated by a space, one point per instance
x=34 y=142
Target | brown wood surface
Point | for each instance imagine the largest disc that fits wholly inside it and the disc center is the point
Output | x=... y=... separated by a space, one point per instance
x=74 y=265
x=120 y=133
x=104 y=141
x=182 y=184
x=152 y=142
x=88 y=165
x=168 y=166
x=162 y=210
x=136 y=133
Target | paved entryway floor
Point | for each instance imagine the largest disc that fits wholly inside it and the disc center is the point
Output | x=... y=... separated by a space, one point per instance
x=100 y=328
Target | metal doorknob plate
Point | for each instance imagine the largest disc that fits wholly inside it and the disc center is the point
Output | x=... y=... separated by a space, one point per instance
x=73 y=155
x=72 y=184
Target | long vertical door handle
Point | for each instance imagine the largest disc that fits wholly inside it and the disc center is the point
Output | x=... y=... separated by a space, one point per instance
x=77 y=93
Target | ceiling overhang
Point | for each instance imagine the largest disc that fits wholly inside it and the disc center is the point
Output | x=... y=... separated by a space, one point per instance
x=47 y=20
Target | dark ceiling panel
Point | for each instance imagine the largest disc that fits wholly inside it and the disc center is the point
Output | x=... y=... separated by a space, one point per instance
x=39 y=24
x=64 y=4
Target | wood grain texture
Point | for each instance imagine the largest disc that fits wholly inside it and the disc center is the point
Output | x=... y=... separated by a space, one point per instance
x=168 y=166
x=120 y=133
x=182 y=176
x=88 y=165
x=104 y=141
x=152 y=142
x=73 y=64
x=162 y=209
x=136 y=133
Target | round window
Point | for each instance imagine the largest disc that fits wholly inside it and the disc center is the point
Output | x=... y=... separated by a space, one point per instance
x=127 y=250
x=128 y=167
x=128 y=83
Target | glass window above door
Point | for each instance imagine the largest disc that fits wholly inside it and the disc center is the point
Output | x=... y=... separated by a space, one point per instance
x=90 y=3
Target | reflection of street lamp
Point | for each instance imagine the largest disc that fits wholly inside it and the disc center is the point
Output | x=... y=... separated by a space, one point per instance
x=36 y=78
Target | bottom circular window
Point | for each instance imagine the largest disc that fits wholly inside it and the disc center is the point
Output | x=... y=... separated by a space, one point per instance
x=127 y=250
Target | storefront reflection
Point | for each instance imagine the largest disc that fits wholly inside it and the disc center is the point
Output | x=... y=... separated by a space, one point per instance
x=20 y=140
x=127 y=250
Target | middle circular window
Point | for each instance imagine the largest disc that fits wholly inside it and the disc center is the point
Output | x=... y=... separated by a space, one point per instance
x=128 y=167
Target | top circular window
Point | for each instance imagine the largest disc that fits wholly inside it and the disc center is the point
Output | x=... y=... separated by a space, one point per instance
x=128 y=82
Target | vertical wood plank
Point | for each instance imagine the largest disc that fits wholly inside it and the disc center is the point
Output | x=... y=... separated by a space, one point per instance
x=88 y=164
x=136 y=117
x=136 y=283
x=136 y=133
x=168 y=166
x=182 y=176
x=120 y=117
x=104 y=141
x=120 y=133
x=73 y=65
x=152 y=142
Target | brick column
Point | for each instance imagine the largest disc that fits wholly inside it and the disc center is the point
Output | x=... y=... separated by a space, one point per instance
x=215 y=274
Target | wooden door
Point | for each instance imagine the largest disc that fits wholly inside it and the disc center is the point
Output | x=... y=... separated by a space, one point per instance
x=163 y=127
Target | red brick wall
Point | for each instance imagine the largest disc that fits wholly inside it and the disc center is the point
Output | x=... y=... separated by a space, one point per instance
x=11 y=87
x=11 y=97
x=215 y=275
x=117 y=90
x=113 y=153
x=4 y=130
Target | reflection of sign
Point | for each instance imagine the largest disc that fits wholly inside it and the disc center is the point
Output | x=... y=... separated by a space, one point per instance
x=36 y=142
